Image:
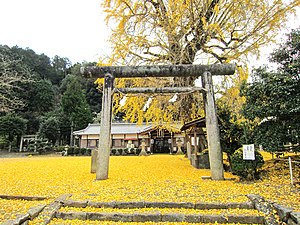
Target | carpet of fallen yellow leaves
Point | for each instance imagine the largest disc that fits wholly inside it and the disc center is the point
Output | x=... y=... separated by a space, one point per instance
x=150 y=178
x=165 y=211
x=90 y=222
x=9 y=209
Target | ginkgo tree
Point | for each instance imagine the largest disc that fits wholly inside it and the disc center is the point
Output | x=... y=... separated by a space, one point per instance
x=187 y=32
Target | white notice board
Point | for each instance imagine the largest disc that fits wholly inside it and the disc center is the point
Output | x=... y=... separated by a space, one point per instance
x=248 y=152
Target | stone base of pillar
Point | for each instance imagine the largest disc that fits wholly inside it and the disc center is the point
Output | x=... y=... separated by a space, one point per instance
x=179 y=152
x=143 y=153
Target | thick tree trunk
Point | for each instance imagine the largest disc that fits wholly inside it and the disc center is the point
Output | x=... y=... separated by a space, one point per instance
x=229 y=161
x=213 y=132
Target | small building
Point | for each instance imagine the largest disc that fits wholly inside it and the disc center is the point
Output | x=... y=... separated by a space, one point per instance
x=195 y=131
x=196 y=143
x=158 y=138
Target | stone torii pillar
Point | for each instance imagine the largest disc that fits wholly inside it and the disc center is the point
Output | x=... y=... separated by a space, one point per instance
x=212 y=129
x=104 y=143
x=206 y=71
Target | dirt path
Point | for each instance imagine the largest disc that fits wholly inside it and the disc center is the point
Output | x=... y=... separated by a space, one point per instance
x=5 y=154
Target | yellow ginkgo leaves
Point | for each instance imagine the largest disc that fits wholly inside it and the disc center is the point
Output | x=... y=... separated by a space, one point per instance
x=158 y=178
x=9 y=209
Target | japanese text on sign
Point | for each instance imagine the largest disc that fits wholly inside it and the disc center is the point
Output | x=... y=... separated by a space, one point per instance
x=248 y=152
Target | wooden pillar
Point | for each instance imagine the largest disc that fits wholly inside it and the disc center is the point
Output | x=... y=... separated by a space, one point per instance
x=188 y=149
x=79 y=141
x=195 y=141
x=21 y=144
x=87 y=142
x=202 y=140
x=71 y=135
x=104 y=145
x=172 y=144
x=213 y=132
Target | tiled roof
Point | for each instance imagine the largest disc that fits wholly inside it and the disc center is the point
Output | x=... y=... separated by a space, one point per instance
x=175 y=127
x=116 y=128
x=127 y=128
x=200 y=122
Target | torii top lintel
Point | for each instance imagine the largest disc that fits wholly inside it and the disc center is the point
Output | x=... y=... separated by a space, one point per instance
x=157 y=70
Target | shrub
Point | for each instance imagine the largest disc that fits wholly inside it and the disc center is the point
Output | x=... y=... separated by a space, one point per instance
x=246 y=169
x=43 y=146
x=82 y=151
x=71 y=150
x=132 y=151
x=88 y=151
x=113 y=151
x=59 y=148
x=76 y=150
x=31 y=147
x=138 y=151
x=119 y=151
x=125 y=151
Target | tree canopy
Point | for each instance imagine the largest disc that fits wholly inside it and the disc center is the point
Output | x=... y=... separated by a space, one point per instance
x=31 y=88
x=49 y=128
x=186 y=32
x=180 y=31
x=75 y=106
x=11 y=126
x=13 y=72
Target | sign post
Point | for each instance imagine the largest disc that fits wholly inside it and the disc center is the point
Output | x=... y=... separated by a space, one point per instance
x=291 y=170
x=248 y=152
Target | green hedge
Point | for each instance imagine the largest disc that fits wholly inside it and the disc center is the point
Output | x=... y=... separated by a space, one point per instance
x=125 y=151
x=74 y=150
x=246 y=169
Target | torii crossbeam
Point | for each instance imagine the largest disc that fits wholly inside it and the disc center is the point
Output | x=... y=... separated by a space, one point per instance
x=205 y=71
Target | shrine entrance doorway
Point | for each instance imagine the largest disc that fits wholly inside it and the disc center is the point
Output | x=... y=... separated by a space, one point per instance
x=164 y=140
x=161 y=141
x=161 y=145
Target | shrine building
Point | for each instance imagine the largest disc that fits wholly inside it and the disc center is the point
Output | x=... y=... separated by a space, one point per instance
x=158 y=138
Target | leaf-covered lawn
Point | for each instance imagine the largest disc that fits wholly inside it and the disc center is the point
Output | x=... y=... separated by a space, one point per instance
x=91 y=222
x=151 y=178
x=9 y=209
x=165 y=211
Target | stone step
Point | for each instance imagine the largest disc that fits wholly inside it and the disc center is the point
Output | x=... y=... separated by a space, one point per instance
x=145 y=204
x=257 y=211
x=159 y=217
x=27 y=198
x=144 y=211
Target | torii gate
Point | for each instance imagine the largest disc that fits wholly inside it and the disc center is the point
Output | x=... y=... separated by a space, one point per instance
x=109 y=73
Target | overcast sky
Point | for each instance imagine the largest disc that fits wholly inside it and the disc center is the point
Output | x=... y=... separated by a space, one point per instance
x=68 y=28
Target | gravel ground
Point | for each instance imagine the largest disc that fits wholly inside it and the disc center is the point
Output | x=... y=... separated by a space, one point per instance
x=5 y=154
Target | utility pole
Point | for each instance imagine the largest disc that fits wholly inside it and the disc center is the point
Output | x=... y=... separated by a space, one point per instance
x=71 y=135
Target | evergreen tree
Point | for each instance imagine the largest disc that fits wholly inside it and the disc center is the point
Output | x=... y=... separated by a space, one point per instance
x=75 y=106
x=12 y=127
x=274 y=98
x=49 y=128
